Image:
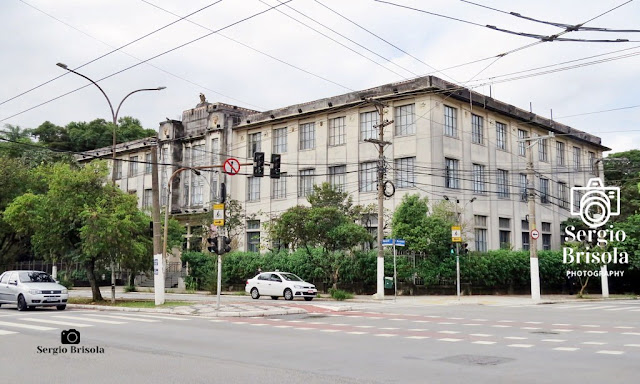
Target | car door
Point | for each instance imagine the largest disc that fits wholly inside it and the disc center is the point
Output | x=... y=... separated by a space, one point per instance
x=12 y=288
x=4 y=279
x=277 y=286
x=262 y=283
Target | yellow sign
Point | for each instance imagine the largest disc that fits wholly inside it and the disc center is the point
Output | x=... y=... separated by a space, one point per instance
x=218 y=215
x=456 y=234
x=218 y=222
x=218 y=206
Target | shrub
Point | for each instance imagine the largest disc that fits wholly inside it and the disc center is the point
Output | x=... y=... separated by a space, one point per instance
x=130 y=288
x=339 y=294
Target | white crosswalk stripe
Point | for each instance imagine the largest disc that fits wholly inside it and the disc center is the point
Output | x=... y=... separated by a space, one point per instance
x=65 y=323
x=126 y=318
x=90 y=320
x=2 y=332
x=172 y=318
x=26 y=326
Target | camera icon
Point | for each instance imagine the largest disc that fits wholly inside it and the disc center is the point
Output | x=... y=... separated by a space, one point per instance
x=594 y=207
x=70 y=336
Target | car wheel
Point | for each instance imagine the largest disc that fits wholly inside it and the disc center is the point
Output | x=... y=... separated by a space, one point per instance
x=288 y=295
x=274 y=297
x=308 y=298
x=22 y=303
x=255 y=294
x=61 y=307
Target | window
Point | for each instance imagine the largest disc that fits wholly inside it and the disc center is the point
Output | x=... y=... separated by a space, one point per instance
x=477 y=129
x=505 y=232
x=450 y=121
x=368 y=176
x=337 y=176
x=253 y=235
x=185 y=192
x=307 y=136
x=503 y=186
x=404 y=120
x=478 y=179
x=546 y=236
x=523 y=187
x=147 y=198
x=544 y=190
x=118 y=169
x=197 y=184
x=367 y=122
x=501 y=136
x=254 y=144
x=254 y=188
x=133 y=166
x=405 y=172
x=576 y=158
x=215 y=151
x=280 y=140
x=451 y=174
x=305 y=184
x=522 y=145
x=577 y=195
x=370 y=223
x=543 y=150
x=525 y=241
x=592 y=163
x=198 y=154
x=147 y=166
x=480 y=232
x=560 y=153
x=562 y=195
x=336 y=131
x=279 y=187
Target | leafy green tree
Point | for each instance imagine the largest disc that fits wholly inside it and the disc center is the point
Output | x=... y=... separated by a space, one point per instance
x=622 y=169
x=426 y=233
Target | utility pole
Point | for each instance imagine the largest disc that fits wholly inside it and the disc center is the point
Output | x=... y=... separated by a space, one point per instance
x=155 y=215
x=380 y=179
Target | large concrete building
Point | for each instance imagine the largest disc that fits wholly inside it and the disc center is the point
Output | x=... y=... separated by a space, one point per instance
x=445 y=142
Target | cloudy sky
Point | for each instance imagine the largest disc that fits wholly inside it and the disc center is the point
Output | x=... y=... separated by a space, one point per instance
x=310 y=49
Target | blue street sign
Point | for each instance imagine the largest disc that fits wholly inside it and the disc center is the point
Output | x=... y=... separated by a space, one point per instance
x=387 y=241
x=400 y=242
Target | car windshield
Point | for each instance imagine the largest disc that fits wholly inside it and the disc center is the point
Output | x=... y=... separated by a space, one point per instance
x=35 y=277
x=290 y=277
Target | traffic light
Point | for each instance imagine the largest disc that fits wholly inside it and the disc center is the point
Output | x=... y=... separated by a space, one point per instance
x=227 y=247
x=275 y=166
x=465 y=248
x=258 y=164
x=453 y=248
x=213 y=244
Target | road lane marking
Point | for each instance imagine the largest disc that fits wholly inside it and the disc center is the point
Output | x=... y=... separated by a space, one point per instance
x=620 y=309
x=591 y=326
x=561 y=325
x=632 y=345
x=449 y=332
x=274 y=319
x=530 y=328
x=455 y=318
x=27 y=326
x=624 y=327
x=364 y=326
x=91 y=320
x=562 y=330
x=418 y=329
x=421 y=321
x=631 y=333
x=479 y=319
x=533 y=322
x=501 y=326
x=446 y=323
x=175 y=318
x=303 y=328
x=480 y=335
x=79 y=325
x=417 y=337
x=316 y=322
x=483 y=342
x=294 y=321
x=389 y=328
x=329 y=330
x=516 y=338
x=218 y=321
x=568 y=349
x=342 y=325
x=594 y=343
x=283 y=326
x=520 y=345
x=505 y=321
x=385 y=334
x=554 y=340
x=258 y=325
x=610 y=352
x=127 y=318
x=450 y=340
x=357 y=333
x=2 y=332
x=599 y=307
x=471 y=324
x=398 y=319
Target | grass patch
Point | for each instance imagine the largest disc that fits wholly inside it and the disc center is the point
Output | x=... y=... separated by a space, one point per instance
x=240 y=293
x=340 y=295
x=128 y=303
x=616 y=296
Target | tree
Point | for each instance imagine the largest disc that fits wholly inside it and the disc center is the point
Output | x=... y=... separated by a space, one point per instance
x=426 y=233
x=16 y=141
x=622 y=169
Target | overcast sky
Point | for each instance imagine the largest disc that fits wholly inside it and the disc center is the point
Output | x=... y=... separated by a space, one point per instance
x=306 y=65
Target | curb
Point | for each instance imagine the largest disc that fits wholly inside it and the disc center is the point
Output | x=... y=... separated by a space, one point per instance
x=278 y=312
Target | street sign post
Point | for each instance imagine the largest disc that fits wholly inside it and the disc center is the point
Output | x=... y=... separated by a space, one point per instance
x=456 y=234
x=394 y=243
x=456 y=237
x=218 y=215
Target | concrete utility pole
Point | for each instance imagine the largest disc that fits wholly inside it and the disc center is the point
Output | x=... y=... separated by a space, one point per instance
x=155 y=215
x=531 y=200
x=380 y=179
x=114 y=116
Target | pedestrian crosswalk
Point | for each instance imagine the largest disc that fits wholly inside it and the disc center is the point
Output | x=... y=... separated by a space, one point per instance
x=14 y=324
x=606 y=307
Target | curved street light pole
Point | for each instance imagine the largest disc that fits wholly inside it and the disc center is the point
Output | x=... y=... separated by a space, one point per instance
x=114 y=117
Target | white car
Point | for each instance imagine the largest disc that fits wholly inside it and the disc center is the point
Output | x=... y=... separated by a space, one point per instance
x=277 y=284
x=30 y=289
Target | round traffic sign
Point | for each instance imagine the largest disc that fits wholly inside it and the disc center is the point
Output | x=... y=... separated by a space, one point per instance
x=231 y=166
x=535 y=234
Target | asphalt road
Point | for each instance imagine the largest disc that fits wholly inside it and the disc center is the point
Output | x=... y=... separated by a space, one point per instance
x=596 y=342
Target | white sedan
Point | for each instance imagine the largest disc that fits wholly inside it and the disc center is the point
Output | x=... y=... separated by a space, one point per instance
x=277 y=284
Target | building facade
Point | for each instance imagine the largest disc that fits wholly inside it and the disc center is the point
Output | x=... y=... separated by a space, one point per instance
x=445 y=142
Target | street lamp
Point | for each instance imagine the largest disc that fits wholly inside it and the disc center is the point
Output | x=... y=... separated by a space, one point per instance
x=114 y=116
